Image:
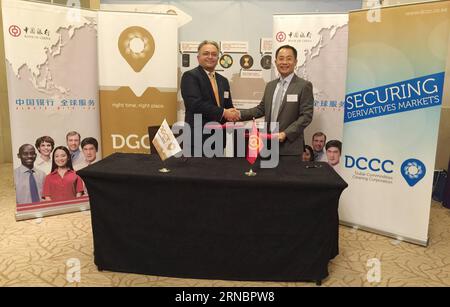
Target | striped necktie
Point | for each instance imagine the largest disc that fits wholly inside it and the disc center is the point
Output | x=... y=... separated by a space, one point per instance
x=33 y=188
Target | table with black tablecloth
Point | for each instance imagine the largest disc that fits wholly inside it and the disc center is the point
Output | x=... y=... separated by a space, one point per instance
x=206 y=219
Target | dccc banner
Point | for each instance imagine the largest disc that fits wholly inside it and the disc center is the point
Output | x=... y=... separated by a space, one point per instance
x=395 y=83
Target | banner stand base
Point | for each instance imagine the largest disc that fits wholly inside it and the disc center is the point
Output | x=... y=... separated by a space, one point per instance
x=40 y=213
x=385 y=233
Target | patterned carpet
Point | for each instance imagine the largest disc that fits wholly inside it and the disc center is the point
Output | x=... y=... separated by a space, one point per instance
x=36 y=254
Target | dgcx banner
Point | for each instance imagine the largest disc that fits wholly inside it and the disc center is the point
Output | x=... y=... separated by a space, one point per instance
x=51 y=68
x=396 y=63
x=138 y=77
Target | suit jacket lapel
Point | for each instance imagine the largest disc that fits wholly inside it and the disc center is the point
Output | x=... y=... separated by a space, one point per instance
x=271 y=91
x=220 y=89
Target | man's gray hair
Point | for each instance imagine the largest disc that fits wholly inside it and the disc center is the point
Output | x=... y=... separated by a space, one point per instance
x=207 y=42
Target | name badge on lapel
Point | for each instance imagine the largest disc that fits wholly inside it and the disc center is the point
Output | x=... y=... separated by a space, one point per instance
x=226 y=94
x=292 y=98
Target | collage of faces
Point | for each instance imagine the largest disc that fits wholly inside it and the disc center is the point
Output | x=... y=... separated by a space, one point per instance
x=322 y=150
x=48 y=172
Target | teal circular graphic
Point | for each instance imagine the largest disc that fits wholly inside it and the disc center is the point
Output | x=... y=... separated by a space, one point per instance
x=246 y=61
x=226 y=61
x=266 y=62
x=413 y=171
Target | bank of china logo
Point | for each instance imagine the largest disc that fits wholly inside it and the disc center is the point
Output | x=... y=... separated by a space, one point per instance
x=281 y=36
x=14 y=31
x=413 y=171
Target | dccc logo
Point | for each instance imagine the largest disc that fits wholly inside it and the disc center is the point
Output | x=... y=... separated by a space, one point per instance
x=375 y=165
x=14 y=31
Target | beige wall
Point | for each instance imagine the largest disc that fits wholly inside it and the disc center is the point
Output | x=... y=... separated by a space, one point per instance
x=443 y=148
x=5 y=130
x=370 y=3
x=94 y=4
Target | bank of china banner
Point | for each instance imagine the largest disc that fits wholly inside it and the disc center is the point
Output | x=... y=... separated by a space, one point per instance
x=51 y=68
x=321 y=43
x=392 y=110
x=137 y=76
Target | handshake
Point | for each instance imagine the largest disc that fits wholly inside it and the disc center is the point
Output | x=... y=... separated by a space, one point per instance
x=232 y=115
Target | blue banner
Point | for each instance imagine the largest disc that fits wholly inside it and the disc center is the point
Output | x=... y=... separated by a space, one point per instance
x=413 y=94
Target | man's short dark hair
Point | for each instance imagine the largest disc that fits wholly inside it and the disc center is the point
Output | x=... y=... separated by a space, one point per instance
x=286 y=47
x=43 y=139
x=22 y=148
x=89 y=140
x=334 y=143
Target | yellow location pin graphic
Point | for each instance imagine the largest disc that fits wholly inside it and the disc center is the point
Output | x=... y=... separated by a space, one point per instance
x=137 y=46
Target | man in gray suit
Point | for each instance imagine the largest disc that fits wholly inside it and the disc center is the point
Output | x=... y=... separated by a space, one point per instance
x=287 y=100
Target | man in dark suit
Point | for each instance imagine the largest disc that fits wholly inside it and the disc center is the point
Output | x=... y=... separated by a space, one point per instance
x=287 y=100
x=206 y=92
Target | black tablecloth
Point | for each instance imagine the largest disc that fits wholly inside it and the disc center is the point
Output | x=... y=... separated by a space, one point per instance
x=206 y=219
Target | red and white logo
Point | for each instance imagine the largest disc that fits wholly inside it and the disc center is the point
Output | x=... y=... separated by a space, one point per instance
x=14 y=31
x=281 y=36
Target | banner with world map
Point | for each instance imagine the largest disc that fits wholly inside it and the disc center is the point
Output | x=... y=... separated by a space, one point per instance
x=51 y=69
x=396 y=63
x=321 y=43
